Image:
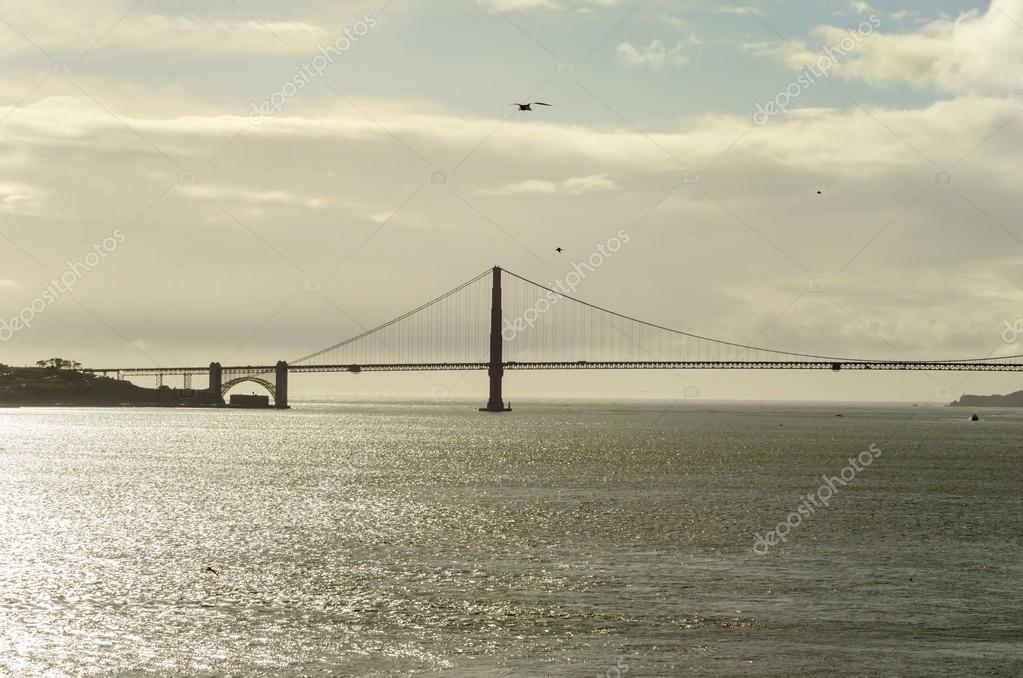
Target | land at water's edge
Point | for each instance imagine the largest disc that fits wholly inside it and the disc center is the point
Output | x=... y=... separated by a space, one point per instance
x=1010 y=400
x=48 y=387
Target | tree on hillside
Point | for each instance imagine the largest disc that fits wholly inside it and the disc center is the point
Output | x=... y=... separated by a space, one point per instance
x=59 y=364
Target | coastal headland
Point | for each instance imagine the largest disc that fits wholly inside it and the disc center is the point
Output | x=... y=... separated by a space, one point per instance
x=54 y=387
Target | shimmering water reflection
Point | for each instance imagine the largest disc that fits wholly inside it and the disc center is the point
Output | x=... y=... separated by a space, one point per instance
x=399 y=539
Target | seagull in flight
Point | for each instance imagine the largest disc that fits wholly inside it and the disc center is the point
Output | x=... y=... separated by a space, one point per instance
x=529 y=106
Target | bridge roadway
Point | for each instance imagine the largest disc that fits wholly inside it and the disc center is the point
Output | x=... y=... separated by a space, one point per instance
x=836 y=366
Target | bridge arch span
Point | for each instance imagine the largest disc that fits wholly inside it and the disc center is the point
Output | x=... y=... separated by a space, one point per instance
x=268 y=385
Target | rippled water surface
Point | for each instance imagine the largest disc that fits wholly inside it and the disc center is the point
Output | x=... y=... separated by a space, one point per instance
x=400 y=539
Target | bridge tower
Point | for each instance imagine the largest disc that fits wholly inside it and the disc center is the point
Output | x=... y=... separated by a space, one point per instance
x=216 y=381
x=496 y=370
x=281 y=377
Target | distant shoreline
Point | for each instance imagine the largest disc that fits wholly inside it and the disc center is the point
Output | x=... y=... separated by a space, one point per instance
x=1010 y=400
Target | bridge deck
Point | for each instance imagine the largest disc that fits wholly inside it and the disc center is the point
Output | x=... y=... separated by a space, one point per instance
x=883 y=365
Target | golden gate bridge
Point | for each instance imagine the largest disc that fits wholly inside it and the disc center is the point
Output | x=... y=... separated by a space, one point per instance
x=500 y=321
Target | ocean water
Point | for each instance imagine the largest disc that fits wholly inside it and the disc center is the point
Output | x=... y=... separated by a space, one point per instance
x=584 y=539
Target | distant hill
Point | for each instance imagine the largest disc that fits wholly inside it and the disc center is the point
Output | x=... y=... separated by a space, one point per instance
x=32 y=386
x=1011 y=400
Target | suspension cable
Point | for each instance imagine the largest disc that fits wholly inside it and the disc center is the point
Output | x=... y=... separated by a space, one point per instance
x=733 y=344
x=392 y=322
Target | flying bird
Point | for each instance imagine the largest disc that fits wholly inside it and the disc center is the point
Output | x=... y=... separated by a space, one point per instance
x=529 y=107
x=212 y=571
x=558 y=250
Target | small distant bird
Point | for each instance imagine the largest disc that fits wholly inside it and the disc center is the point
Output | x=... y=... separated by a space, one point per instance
x=559 y=250
x=212 y=571
x=529 y=107
x=820 y=192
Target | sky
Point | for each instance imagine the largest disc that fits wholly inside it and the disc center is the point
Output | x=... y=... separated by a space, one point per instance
x=259 y=180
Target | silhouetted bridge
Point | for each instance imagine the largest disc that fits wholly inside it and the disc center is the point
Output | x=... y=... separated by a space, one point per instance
x=479 y=326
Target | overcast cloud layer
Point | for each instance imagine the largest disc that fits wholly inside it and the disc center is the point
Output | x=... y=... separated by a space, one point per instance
x=392 y=169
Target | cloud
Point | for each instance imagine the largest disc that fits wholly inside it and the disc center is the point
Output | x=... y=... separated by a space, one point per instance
x=184 y=34
x=245 y=196
x=977 y=52
x=654 y=55
x=673 y=22
x=49 y=26
x=596 y=183
x=524 y=5
x=859 y=7
x=896 y=315
x=739 y=9
x=519 y=5
x=18 y=198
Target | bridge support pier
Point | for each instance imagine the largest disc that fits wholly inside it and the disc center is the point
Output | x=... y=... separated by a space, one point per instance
x=217 y=382
x=281 y=377
x=496 y=370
